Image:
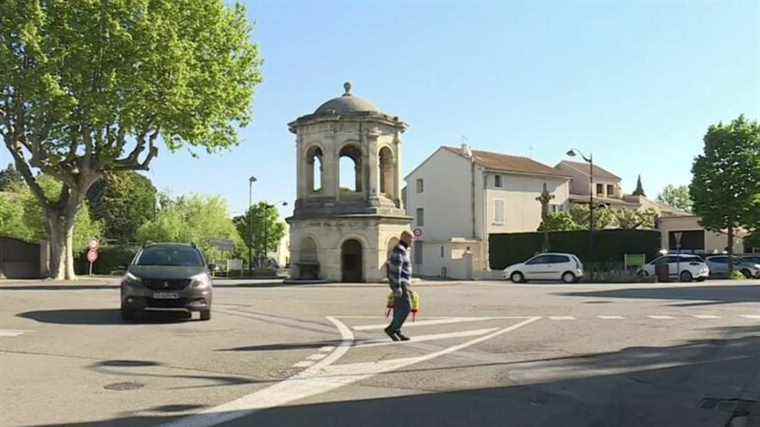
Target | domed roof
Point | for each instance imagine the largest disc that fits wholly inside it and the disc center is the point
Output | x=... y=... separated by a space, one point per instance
x=347 y=103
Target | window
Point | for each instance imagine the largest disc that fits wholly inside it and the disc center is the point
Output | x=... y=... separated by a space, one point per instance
x=610 y=190
x=497 y=181
x=441 y=251
x=599 y=188
x=559 y=259
x=420 y=185
x=418 y=252
x=420 y=217
x=541 y=259
x=498 y=211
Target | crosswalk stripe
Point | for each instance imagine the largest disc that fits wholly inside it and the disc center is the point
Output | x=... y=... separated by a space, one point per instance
x=561 y=317
x=420 y=338
x=750 y=316
x=10 y=333
x=706 y=316
x=303 y=364
x=436 y=322
x=611 y=317
x=661 y=317
x=317 y=356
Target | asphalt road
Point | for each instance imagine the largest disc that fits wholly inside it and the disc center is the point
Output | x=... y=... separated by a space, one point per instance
x=482 y=353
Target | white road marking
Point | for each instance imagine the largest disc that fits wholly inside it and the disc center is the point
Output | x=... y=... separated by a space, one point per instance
x=327 y=348
x=750 y=316
x=661 y=317
x=10 y=333
x=304 y=364
x=561 y=318
x=320 y=378
x=420 y=338
x=436 y=322
x=611 y=317
x=706 y=316
x=316 y=356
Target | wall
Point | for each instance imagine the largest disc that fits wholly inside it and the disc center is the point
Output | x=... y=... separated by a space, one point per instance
x=453 y=260
x=714 y=242
x=522 y=212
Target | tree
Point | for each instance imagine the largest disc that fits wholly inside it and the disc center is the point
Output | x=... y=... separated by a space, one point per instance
x=602 y=217
x=639 y=191
x=193 y=219
x=677 y=197
x=89 y=87
x=725 y=186
x=629 y=219
x=9 y=178
x=123 y=201
x=561 y=221
x=265 y=227
x=752 y=241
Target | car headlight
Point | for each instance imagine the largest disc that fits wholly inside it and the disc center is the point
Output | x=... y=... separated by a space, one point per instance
x=200 y=280
x=131 y=279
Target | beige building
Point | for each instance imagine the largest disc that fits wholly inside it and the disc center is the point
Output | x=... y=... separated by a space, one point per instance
x=694 y=238
x=459 y=196
x=341 y=231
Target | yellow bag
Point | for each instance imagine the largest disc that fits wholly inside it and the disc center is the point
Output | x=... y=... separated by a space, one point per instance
x=414 y=299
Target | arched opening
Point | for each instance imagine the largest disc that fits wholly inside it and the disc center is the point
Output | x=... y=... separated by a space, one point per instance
x=314 y=169
x=308 y=262
x=350 y=165
x=387 y=181
x=351 y=261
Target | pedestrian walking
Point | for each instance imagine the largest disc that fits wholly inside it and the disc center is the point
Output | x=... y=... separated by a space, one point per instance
x=400 y=278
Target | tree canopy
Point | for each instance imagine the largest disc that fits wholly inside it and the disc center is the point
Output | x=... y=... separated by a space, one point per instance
x=123 y=201
x=10 y=178
x=677 y=197
x=265 y=231
x=89 y=87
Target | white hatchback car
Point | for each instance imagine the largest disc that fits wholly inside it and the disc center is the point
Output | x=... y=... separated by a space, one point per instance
x=680 y=266
x=550 y=266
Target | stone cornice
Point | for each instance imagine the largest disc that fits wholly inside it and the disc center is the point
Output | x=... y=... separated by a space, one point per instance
x=356 y=117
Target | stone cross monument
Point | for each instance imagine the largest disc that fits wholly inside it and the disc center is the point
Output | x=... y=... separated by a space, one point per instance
x=544 y=199
x=349 y=209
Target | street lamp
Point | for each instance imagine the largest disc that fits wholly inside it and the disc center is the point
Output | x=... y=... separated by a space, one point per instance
x=590 y=160
x=251 y=180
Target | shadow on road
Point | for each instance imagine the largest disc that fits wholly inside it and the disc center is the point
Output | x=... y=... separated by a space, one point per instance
x=100 y=316
x=700 y=295
x=71 y=287
x=637 y=386
x=285 y=346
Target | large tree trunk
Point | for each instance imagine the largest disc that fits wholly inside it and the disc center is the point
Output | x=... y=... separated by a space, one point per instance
x=60 y=224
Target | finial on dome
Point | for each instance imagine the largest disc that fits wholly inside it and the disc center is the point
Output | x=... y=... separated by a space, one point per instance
x=347 y=87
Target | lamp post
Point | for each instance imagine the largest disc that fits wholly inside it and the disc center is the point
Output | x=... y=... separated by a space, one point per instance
x=590 y=160
x=251 y=180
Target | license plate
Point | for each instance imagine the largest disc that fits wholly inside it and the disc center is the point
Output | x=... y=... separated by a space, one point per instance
x=165 y=295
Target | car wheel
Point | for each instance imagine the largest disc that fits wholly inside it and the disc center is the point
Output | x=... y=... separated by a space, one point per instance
x=517 y=277
x=747 y=274
x=568 y=277
x=686 y=277
x=206 y=315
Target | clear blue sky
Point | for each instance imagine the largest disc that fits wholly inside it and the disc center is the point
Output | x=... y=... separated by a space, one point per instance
x=637 y=84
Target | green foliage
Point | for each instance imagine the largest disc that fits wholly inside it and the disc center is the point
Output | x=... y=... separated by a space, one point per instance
x=12 y=219
x=110 y=259
x=123 y=201
x=603 y=218
x=264 y=231
x=192 y=219
x=609 y=245
x=677 y=197
x=737 y=275
x=10 y=178
x=628 y=219
x=726 y=182
x=752 y=241
x=561 y=221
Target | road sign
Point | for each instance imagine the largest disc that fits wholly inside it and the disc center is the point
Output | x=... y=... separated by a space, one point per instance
x=92 y=255
x=418 y=234
x=224 y=245
x=94 y=244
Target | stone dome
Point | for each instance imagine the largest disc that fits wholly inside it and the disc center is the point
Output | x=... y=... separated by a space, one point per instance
x=347 y=103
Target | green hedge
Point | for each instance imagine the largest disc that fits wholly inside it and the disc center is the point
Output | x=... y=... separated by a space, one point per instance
x=110 y=258
x=609 y=245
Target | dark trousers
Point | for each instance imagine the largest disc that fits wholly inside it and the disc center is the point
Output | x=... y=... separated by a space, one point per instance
x=401 y=308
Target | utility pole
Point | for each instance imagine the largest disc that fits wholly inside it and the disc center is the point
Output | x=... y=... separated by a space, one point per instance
x=251 y=180
x=590 y=160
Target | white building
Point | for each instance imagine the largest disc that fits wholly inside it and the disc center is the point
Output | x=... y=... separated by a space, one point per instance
x=459 y=196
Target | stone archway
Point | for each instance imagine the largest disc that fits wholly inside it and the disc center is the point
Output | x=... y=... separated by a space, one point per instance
x=351 y=261
x=308 y=261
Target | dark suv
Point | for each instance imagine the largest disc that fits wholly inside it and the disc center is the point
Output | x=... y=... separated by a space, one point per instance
x=167 y=276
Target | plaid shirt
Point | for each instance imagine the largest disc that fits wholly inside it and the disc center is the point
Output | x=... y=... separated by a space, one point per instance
x=400 y=268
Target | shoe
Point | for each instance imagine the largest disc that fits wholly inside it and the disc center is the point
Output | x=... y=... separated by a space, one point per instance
x=391 y=333
x=402 y=337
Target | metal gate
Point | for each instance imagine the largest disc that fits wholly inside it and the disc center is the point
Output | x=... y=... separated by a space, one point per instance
x=19 y=259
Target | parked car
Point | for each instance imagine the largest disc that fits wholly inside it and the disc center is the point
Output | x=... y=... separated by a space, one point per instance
x=550 y=266
x=719 y=266
x=754 y=259
x=167 y=277
x=680 y=266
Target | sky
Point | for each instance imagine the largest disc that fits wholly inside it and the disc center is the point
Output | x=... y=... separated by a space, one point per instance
x=636 y=83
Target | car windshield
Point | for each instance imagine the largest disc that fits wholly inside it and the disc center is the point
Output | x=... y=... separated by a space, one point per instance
x=171 y=256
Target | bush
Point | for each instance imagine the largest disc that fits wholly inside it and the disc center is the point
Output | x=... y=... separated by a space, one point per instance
x=110 y=259
x=737 y=275
x=609 y=246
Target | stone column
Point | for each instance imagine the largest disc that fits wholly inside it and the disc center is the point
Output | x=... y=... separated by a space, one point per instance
x=373 y=166
x=398 y=174
x=332 y=166
x=300 y=169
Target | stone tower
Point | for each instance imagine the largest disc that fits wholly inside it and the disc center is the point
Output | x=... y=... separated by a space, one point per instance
x=342 y=231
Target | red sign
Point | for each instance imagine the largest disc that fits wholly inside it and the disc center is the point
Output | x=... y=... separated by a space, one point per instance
x=418 y=234
x=92 y=255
